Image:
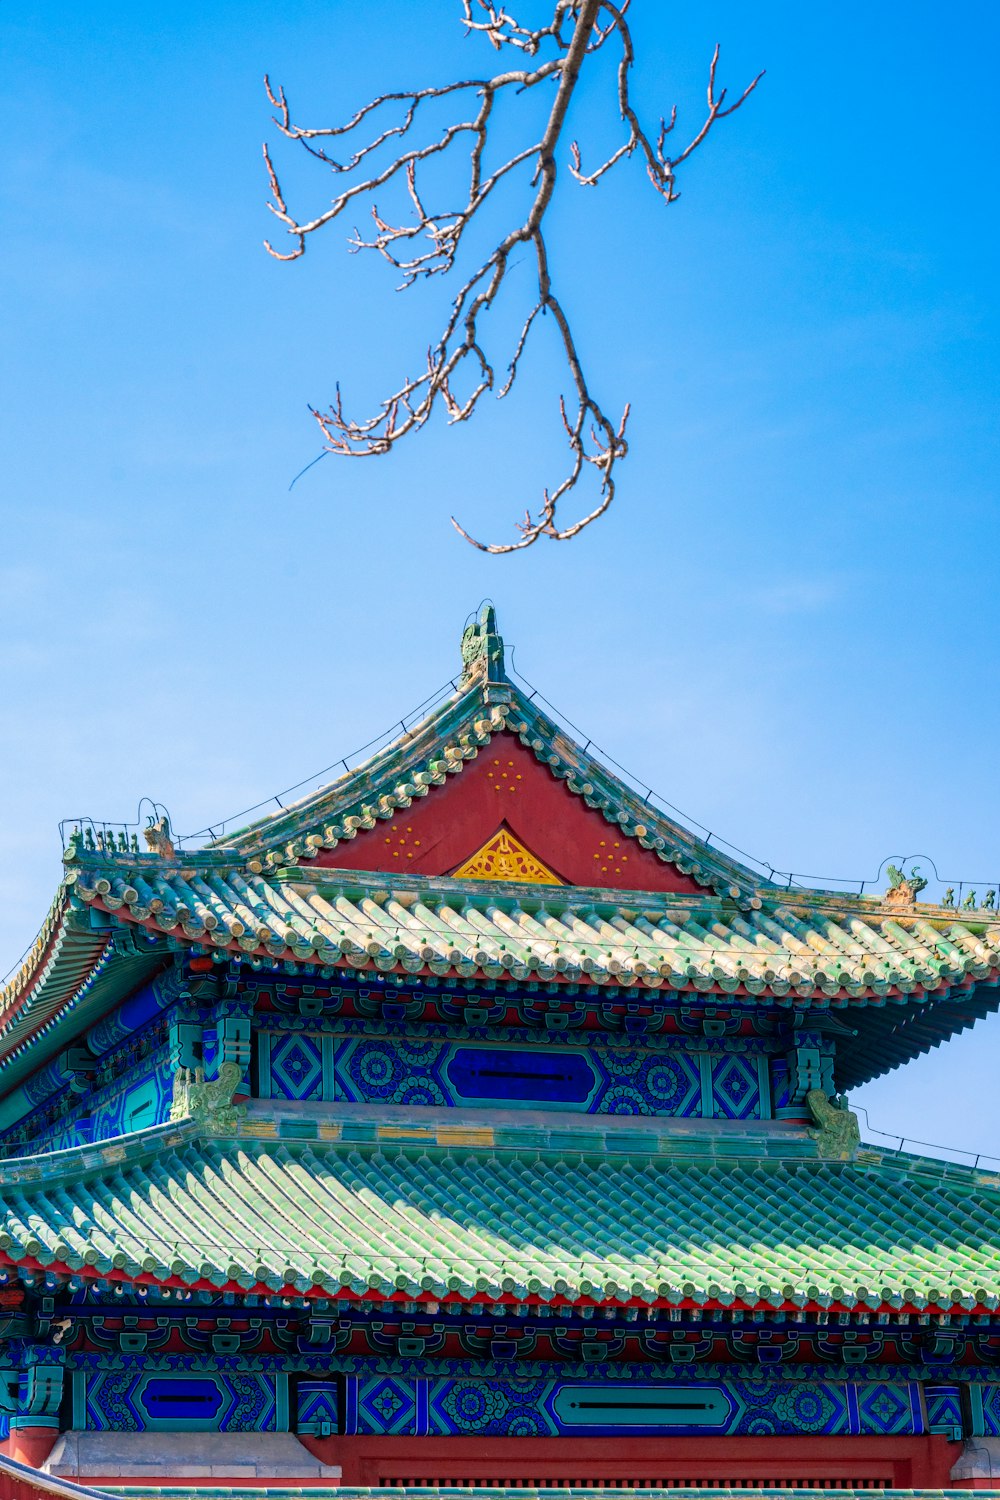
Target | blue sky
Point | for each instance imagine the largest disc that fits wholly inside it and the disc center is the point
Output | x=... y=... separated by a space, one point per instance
x=787 y=624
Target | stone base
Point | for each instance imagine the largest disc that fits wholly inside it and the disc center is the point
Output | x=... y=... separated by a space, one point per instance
x=162 y=1456
x=978 y=1465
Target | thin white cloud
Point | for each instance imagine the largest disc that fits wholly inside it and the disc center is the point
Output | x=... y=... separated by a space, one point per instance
x=797 y=596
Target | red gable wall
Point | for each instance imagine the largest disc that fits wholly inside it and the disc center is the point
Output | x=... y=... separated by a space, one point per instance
x=506 y=784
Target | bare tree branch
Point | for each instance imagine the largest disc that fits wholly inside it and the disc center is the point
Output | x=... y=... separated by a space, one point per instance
x=429 y=244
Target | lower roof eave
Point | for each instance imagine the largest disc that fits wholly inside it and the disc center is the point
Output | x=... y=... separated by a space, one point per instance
x=450 y=1215
x=434 y=1301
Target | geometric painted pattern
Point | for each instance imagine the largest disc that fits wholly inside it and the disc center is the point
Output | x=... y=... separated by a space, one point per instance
x=528 y=1407
x=780 y=1083
x=113 y=1111
x=736 y=1087
x=593 y=1079
x=509 y=1408
x=397 y=1071
x=944 y=1410
x=385 y=1404
x=887 y=1408
x=667 y=1083
x=226 y=1401
x=296 y=1066
x=145 y=1103
x=806 y=1408
x=984 y=1401
x=316 y=1407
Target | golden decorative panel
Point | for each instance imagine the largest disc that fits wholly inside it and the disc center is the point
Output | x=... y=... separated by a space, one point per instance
x=503 y=857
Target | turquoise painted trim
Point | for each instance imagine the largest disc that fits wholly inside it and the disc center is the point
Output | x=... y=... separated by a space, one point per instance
x=264 y=1064
x=376 y=1065
x=976 y=1414
x=281 y=1401
x=704 y=1060
x=764 y=1077
x=327 y=1054
x=143 y=1105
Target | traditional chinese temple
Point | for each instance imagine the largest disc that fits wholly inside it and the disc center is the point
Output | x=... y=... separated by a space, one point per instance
x=471 y=1122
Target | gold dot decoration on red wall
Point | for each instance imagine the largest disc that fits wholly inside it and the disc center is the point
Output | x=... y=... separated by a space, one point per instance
x=504 y=857
x=502 y=776
x=611 y=858
x=402 y=844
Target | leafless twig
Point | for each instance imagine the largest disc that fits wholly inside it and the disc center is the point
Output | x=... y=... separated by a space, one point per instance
x=429 y=242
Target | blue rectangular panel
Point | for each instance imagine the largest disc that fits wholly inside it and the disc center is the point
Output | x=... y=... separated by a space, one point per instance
x=640 y=1408
x=562 y=1077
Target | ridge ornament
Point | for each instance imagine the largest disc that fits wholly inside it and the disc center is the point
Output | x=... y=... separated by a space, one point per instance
x=838 y=1134
x=209 y=1102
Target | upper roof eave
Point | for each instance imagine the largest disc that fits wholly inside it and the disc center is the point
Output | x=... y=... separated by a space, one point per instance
x=834 y=954
x=279 y=848
x=95 y=948
x=117 y=920
x=77 y=968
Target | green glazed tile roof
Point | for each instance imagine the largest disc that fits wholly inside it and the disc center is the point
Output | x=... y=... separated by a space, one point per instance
x=918 y=980
x=72 y=974
x=838 y=950
x=372 y=1208
x=909 y=980
x=920 y=974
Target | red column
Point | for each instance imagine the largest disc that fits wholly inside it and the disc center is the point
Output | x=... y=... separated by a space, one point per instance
x=31 y=1445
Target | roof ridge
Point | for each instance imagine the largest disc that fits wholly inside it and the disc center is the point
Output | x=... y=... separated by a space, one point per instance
x=439 y=747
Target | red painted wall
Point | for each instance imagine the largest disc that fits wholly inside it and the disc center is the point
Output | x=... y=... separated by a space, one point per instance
x=506 y=784
x=899 y=1463
x=908 y=1463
